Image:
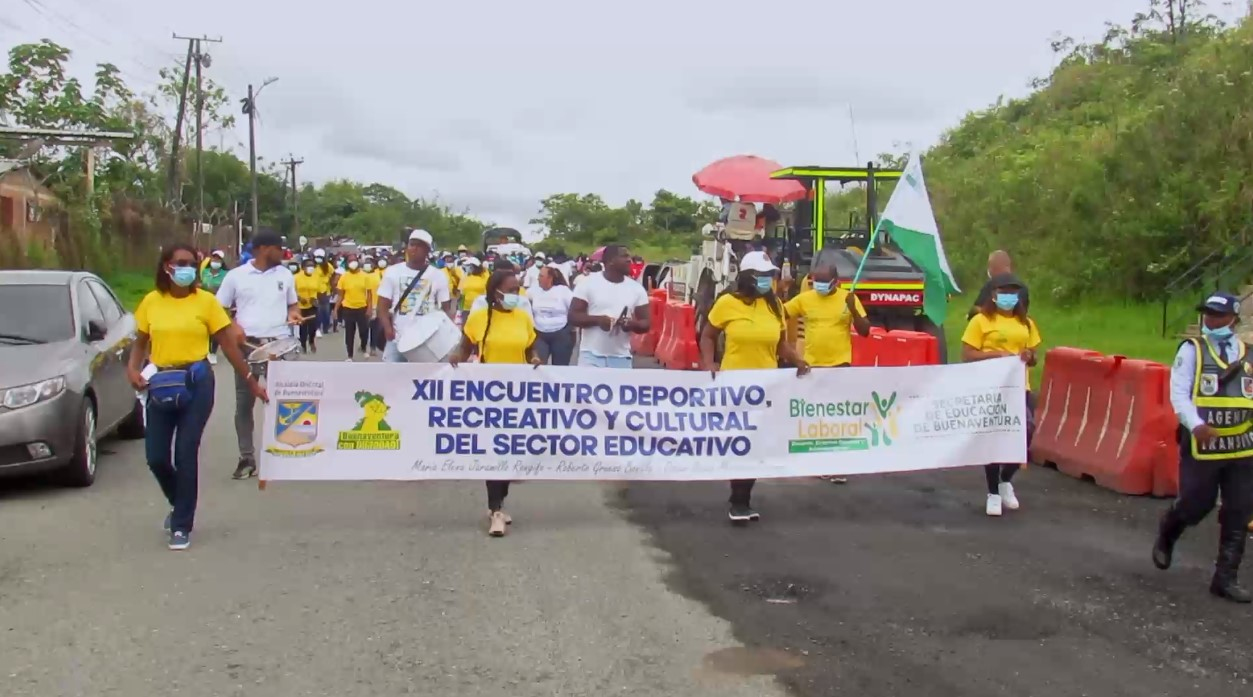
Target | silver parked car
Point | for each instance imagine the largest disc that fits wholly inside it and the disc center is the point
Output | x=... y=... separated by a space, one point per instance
x=64 y=343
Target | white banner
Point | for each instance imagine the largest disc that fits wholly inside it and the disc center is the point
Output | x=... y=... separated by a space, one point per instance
x=336 y=421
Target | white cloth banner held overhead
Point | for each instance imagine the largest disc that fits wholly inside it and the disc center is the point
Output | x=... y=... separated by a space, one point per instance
x=332 y=421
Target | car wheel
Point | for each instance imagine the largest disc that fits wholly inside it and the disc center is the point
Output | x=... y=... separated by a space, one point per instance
x=134 y=426
x=81 y=471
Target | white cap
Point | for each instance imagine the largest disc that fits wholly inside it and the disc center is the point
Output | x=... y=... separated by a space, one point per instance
x=758 y=262
x=541 y=255
x=218 y=253
x=472 y=261
x=422 y=236
x=319 y=252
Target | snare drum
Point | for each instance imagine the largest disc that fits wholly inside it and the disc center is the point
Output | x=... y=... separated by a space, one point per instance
x=281 y=349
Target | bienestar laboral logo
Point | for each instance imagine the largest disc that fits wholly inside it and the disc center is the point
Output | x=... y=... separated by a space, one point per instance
x=823 y=427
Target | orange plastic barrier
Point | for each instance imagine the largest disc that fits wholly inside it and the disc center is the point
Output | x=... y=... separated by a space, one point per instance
x=1107 y=418
x=895 y=348
x=646 y=344
x=677 y=348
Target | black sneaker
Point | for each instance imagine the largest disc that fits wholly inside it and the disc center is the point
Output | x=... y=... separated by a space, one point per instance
x=246 y=468
x=740 y=513
x=179 y=540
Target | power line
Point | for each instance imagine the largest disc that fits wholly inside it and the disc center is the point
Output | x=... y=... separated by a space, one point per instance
x=66 y=23
x=117 y=19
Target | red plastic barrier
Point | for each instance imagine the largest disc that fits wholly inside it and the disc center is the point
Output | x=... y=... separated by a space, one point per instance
x=895 y=348
x=666 y=341
x=683 y=350
x=1108 y=418
x=646 y=344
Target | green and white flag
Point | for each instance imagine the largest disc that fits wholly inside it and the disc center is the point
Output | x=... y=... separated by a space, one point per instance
x=910 y=222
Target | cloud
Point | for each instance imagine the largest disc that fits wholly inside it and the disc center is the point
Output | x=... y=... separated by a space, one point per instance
x=353 y=142
x=765 y=92
x=496 y=104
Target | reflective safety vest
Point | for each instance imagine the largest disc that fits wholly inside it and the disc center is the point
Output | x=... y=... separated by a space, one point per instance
x=1223 y=395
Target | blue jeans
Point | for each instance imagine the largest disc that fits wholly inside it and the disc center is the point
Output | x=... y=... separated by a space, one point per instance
x=324 y=314
x=558 y=345
x=181 y=431
x=587 y=359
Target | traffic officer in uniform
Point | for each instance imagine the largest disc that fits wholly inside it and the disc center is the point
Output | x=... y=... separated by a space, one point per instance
x=1211 y=391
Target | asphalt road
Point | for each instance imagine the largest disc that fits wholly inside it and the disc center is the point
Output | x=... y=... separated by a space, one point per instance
x=371 y=589
x=891 y=585
x=900 y=585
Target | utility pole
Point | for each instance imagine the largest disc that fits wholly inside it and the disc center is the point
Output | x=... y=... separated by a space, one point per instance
x=291 y=164
x=250 y=108
x=173 y=179
x=202 y=61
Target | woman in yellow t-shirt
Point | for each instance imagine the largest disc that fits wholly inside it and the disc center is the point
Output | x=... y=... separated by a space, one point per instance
x=174 y=324
x=831 y=315
x=356 y=302
x=473 y=284
x=325 y=273
x=309 y=287
x=751 y=318
x=1002 y=328
x=502 y=333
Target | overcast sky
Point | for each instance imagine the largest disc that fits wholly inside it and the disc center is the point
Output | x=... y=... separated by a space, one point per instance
x=492 y=105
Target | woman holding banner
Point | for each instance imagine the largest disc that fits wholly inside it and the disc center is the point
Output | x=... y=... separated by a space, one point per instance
x=831 y=316
x=1002 y=328
x=502 y=333
x=752 y=320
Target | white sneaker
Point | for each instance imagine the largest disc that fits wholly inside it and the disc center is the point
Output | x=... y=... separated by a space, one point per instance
x=497 y=527
x=348 y=360
x=994 y=505
x=319 y=333
x=213 y=359
x=1007 y=496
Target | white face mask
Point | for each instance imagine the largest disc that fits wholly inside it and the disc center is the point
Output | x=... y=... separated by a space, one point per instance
x=352 y=265
x=367 y=267
x=215 y=265
x=309 y=270
x=382 y=263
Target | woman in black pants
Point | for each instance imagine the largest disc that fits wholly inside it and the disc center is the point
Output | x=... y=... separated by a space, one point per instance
x=502 y=333
x=550 y=306
x=356 y=298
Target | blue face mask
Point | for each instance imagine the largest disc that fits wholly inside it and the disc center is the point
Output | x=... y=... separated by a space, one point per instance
x=510 y=301
x=764 y=284
x=822 y=287
x=183 y=276
x=1006 y=301
x=1218 y=334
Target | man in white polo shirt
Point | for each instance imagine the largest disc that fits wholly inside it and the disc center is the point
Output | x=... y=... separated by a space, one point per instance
x=609 y=306
x=263 y=293
x=430 y=294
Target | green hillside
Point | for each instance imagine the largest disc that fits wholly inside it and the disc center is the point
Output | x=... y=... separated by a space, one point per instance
x=1129 y=163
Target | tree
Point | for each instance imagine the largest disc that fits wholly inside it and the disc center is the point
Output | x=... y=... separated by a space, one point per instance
x=37 y=92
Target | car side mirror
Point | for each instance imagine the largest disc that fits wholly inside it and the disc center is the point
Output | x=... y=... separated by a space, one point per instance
x=96 y=331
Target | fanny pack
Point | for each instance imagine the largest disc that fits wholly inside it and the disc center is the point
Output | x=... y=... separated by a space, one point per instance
x=172 y=389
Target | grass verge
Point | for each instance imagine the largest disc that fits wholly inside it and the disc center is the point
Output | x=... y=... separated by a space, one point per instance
x=130 y=286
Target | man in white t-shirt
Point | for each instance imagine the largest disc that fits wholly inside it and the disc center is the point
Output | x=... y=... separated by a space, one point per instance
x=429 y=295
x=263 y=293
x=609 y=306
